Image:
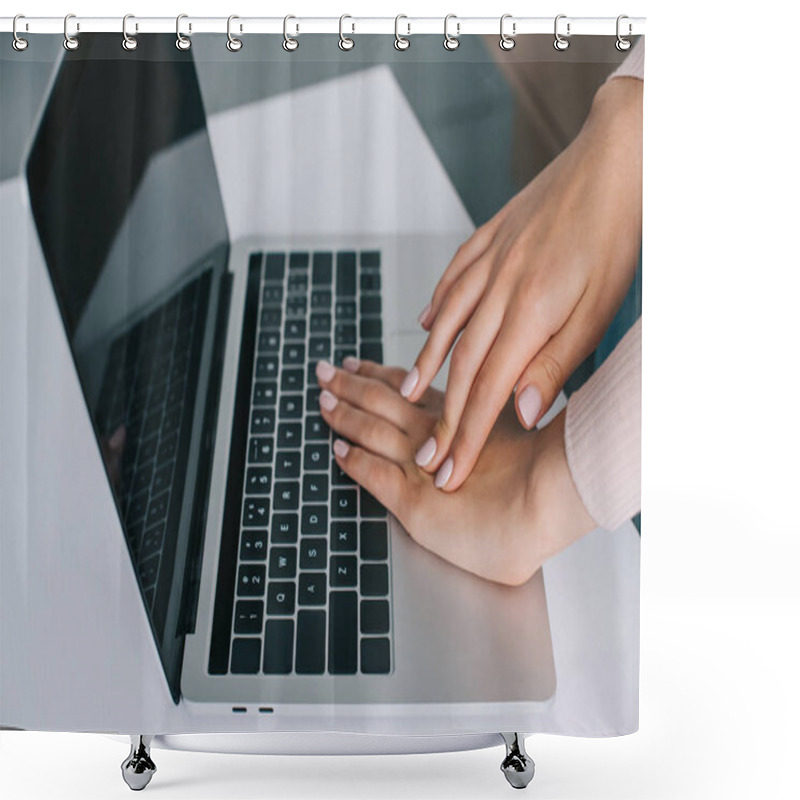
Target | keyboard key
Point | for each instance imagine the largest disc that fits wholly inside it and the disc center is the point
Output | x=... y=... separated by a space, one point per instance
x=343 y=503
x=273 y=294
x=315 y=488
x=370 y=304
x=316 y=456
x=265 y=393
x=374 y=580
x=312 y=397
x=291 y=406
x=341 y=353
x=314 y=520
x=295 y=329
x=345 y=274
x=289 y=434
x=339 y=477
x=245 y=656
x=298 y=282
x=256 y=512
x=343 y=633
x=344 y=333
x=370 y=281
x=167 y=449
x=157 y=510
x=292 y=380
x=316 y=429
x=375 y=656
x=143 y=478
x=345 y=310
x=370 y=507
x=152 y=540
x=370 y=328
x=370 y=259
x=314 y=554
x=343 y=571
x=298 y=260
x=262 y=420
x=249 y=616
x=286 y=495
x=374 y=541
x=310 y=643
x=148 y=571
x=343 y=536
x=371 y=351
x=319 y=347
x=296 y=306
x=294 y=354
x=271 y=317
x=269 y=341
x=148 y=450
x=374 y=616
x=313 y=589
x=321 y=299
x=276 y=266
x=287 y=465
x=322 y=269
x=252 y=579
x=258 y=480
x=283 y=562
x=278 y=646
x=320 y=322
x=253 y=546
x=260 y=450
x=284 y=528
x=280 y=598
x=267 y=367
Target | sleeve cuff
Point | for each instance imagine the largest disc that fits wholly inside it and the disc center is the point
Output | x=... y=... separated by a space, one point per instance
x=633 y=65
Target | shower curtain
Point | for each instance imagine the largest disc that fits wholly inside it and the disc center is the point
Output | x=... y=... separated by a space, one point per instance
x=320 y=386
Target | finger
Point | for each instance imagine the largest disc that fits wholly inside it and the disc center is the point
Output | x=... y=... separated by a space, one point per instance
x=382 y=478
x=489 y=393
x=468 y=355
x=455 y=313
x=370 y=394
x=365 y=429
x=544 y=377
x=469 y=252
x=392 y=376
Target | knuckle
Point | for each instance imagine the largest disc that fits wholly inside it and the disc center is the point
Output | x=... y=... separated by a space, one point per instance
x=552 y=369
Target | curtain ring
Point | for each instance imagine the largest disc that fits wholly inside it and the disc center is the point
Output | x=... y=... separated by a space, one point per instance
x=182 y=42
x=451 y=42
x=507 y=42
x=623 y=44
x=233 y=44
x=70 y=42
x=345 y=43
x=400 y=42
x=561 y=43
x=18 y=43
x=128 y=42
x=290 y=44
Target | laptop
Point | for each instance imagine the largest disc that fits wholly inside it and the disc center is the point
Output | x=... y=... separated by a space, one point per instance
x=276 y=588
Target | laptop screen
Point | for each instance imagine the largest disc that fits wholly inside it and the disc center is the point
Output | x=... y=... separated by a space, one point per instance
x=126 y=201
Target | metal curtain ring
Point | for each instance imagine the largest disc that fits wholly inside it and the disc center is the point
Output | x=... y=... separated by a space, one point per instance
x=233 y=44
x=18 y=43
x=182 y=42
x=451 y=42
x=290 y=44
x=560 y=43
x=507 y=42
x=70 y=42
x=622 y=43
x=128 y=42
x=400 y=42
x=345 y=43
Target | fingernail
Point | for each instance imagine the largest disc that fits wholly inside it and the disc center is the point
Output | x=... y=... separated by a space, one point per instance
x=351 y=363
x=426 y=453
x=341 y=448
x=444 y=473
x=424 y=314
x=327 y=400
x=411 y=380
x=530 y=404
x=325 y=371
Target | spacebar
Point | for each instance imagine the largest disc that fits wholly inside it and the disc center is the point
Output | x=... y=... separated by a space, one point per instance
x=343 y=633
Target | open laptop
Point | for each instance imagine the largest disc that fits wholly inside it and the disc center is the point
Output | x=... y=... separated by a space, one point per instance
x=276 y=589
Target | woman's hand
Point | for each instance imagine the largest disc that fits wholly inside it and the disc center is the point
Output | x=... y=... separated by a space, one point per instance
x=517 y=508
x=535 y=288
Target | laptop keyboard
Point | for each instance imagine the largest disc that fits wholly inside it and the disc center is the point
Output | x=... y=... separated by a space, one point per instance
x=149 y=386
x=304 y=580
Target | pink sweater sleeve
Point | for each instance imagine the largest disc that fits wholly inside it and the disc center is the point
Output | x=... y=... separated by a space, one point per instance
x=603 y=435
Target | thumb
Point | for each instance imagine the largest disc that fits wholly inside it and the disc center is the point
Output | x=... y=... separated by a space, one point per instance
x=546 y=374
